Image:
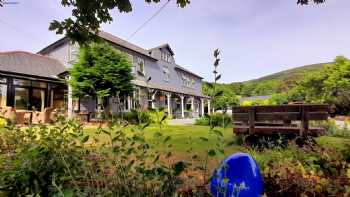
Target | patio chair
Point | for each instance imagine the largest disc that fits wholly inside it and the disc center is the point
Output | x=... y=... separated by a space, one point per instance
x=23 y=117
x=5 y=112
x=42 y=117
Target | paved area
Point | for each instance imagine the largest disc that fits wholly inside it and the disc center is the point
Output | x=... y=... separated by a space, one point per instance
x=186 y=121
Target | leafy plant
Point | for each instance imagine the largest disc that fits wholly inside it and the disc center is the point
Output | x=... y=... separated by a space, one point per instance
x=62 y=160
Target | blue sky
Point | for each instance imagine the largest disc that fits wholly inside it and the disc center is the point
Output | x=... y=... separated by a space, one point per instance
x=256 y=37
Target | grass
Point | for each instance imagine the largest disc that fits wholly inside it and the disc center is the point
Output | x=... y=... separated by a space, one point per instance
x=181 y=134
x=334 y=142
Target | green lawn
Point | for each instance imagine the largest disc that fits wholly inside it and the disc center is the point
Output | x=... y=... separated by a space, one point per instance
x=334 y=142
x=181 y=134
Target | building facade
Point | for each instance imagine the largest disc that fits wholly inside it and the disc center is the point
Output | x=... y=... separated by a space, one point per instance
x=159 y=81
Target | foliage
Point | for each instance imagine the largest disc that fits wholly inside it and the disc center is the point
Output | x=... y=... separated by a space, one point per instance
x=217 y=119
x=87 y=16
x=158 y=116
x=302 y=172
x=226 y=98
x=3 y=122
x=329 y=85
x=275 y=99
x=65 y=160
x=101 y=71
x=333 y=129
x=136 y=117
x=61 y=160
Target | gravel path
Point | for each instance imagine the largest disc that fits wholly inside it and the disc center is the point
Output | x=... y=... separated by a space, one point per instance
x=187 y=121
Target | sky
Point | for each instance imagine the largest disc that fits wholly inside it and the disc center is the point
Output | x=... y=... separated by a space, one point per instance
x=256 y=37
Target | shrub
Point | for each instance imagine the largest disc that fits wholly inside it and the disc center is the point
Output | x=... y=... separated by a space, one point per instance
x=332 y=129
x=302 y=172
x=62 y=160
x=216 y=119
x=136 y=117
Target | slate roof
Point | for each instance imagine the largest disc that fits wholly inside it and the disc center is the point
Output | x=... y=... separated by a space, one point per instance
x=167 y=88
x=166 y=45
x=25 y=63
x=186 y=70
x=123 y=43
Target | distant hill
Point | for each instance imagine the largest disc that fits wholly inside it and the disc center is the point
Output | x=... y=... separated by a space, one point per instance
x=294 y=73
x=271 y=84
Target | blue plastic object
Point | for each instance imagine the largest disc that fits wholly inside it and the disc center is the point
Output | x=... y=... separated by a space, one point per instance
x=238 y=176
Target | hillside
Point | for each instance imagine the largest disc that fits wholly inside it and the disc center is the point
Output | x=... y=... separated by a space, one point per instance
x=294 y=73
x=270 y=84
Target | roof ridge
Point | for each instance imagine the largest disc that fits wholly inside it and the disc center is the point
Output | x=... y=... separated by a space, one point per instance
x=159 y=46
x=30 y=53
x=121 y=39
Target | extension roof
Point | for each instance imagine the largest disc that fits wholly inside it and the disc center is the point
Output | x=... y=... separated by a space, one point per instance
x=25 y=63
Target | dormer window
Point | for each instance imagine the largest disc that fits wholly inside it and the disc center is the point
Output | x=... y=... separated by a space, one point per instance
x=166 y=57
x=188 y=81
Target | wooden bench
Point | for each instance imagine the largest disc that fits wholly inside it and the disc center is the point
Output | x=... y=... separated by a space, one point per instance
x=280 y=119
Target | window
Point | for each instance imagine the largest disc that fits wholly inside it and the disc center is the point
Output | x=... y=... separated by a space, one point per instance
x=21 y=82
x=166 y=57
x=188 y=81
x=21 y=98
x=38 y=84
x=38 y=99
x=3 y=91
x=29 y=94
x=141 y=65
x=73 y=52
x=166 y=73
x=131 y=59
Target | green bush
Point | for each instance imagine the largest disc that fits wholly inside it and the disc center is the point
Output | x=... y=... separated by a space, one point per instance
x=216 y=119
x=300 y=172
x=136 y=117
x=61 y=160
x=332 y=129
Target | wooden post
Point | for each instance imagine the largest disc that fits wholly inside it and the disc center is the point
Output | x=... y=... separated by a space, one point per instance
x=304 y=126
x=251 y=114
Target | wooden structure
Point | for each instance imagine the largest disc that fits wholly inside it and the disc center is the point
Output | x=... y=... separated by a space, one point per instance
x=280 y=119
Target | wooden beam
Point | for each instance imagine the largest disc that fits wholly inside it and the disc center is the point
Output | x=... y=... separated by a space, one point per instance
x=275 y=130
x=251 y=120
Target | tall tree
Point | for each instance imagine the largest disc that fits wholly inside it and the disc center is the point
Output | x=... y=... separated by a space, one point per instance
x=101 y=72
x=88 y=15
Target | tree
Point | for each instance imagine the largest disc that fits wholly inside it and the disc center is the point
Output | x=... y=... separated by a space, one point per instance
x=88 y=15
x=330 y=85
x=336 y=88
x=101 y=72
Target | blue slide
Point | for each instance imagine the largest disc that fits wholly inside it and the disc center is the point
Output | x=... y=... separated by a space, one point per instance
x=238 y=176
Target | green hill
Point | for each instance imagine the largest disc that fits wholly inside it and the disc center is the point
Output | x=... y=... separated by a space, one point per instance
x=294 y=73
x=270 y=84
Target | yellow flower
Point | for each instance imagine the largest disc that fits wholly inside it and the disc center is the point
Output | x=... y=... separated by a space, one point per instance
x=3 y=122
